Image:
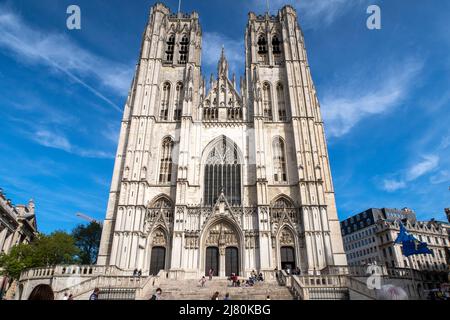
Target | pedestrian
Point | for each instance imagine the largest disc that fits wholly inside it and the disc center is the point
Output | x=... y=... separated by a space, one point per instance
x=215 y=296
x=203 y=281
x=268 y=298
x=227 y=296
x=157 y=295
x=42 y=292
x=211 y=273
x=140 y=273
x=66 y=296
x=135 y=272
x=70 y=297
x=94 y=295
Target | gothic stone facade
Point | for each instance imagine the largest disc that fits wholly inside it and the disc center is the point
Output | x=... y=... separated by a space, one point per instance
x=209 y=176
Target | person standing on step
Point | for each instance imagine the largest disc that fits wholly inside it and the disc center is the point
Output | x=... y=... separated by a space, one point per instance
x=94 y=295
x=157 y=295
x=203 y=281
x=215 y=296
x=211 y=273
x=227 y=296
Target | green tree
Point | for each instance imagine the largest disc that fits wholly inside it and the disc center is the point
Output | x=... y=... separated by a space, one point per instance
x=47 y=250
x=87 y=239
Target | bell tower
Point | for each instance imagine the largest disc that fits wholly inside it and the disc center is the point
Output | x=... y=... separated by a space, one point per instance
x=285 y=107
x=157 y=115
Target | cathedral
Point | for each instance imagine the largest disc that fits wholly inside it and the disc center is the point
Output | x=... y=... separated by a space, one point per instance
x=215 y=175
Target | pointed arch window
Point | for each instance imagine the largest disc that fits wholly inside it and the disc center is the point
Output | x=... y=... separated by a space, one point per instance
x=282 y=206
x=267 y=102
x=165 y=98
x=165 y=171
x=222 y=173
x=184 y=49
x=262 y=45
x=170 y=48
x=279 y=160
x=276 y=45
x=178 y=102
x=282 y=115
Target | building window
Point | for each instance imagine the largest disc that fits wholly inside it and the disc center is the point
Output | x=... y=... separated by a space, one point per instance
x=184 y=50
x=178 y=102
x=281 y=103
x=279 y=160
x=223 y=173
x=276 y=45
x=165 y=172
x=170 y=46
x=262 y=45
x=267 y=102
x=165 y=98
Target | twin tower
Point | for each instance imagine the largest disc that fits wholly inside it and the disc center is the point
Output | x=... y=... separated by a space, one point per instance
x=212 y=177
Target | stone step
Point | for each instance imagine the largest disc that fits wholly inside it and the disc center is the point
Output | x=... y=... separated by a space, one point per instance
x=192 y=290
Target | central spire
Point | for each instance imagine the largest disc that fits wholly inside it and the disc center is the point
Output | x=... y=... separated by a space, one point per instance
x=223 y=64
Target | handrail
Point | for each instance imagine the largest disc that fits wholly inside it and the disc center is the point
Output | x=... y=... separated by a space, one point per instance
x=361 y=288
x=153 y=280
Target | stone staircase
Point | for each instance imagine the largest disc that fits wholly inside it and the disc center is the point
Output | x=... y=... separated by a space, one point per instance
x=192 y=290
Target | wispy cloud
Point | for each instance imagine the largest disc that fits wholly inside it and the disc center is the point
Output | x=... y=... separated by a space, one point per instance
x=424 y=166
x=314 y=14
x=57 y=51
x=441 y=177
x=346 y=105
x=50 y=139
x=212 y=47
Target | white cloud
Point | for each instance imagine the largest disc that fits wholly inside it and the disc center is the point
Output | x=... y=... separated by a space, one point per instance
x=51 y=140
x=425 y=166
x=313 y=13
x=212 y=43
x=57 y=51
x=345 y=106
x=441 y=177
x=58 y=141
x=393 y=185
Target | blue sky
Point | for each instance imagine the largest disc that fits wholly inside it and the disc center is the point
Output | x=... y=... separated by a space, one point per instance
x=385 y=97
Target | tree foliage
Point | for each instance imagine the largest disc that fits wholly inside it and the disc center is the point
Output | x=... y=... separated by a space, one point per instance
x=87 y=239
x=47 y=250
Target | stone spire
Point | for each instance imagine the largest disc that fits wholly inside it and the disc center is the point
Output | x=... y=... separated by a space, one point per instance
x=223 y=65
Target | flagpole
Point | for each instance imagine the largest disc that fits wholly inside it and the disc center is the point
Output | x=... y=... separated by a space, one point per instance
x=179 y=6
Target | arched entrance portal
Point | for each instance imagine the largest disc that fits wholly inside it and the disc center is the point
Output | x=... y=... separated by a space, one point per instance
x=212 y=260
x=287 y=258
x=222 y=249
x=231 y=261
x=158 y=260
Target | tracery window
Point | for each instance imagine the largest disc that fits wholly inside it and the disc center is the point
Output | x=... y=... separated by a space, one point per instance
x=283 y=206
x=276 y=45
x=165 y=99
x=170 y=48
x=223 y=173
x=165 y=172
x=267 y=102
x=184 y=49
x=162 y=205
x=282 y=115
x=178 y=102
x=262 y=45
x=279 y=160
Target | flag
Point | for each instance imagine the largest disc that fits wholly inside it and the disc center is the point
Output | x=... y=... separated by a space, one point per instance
x=410 y=244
